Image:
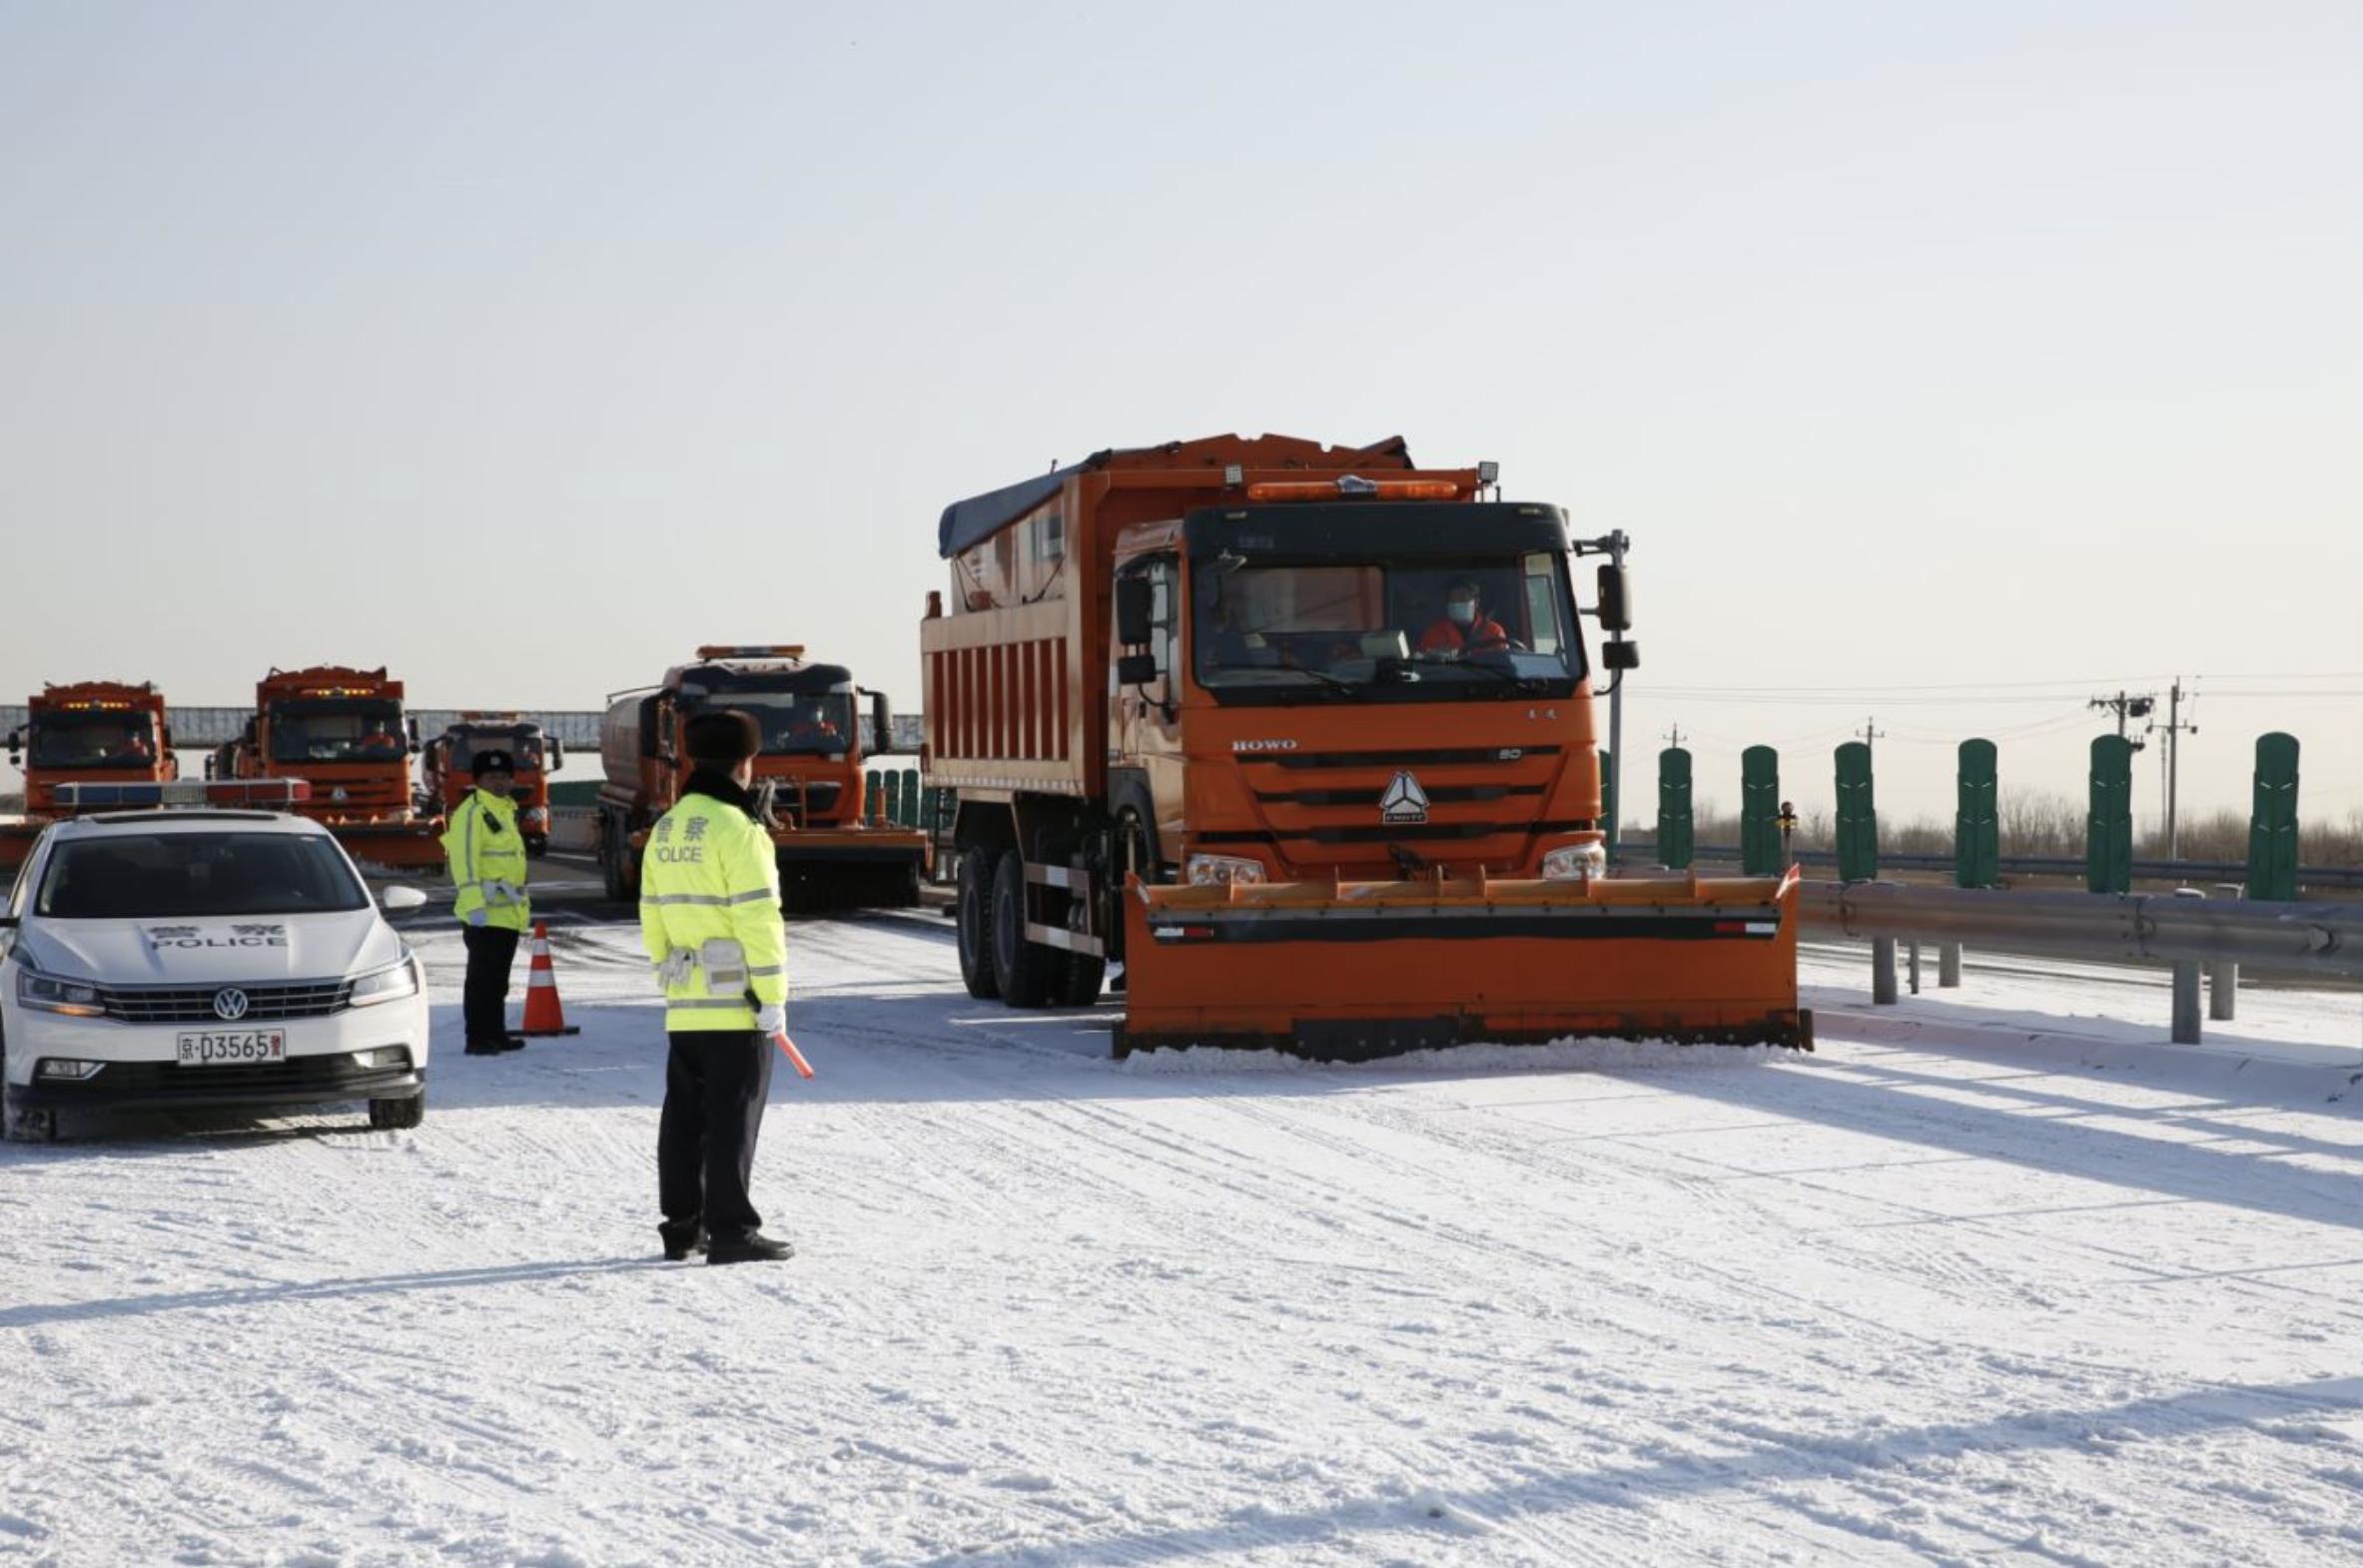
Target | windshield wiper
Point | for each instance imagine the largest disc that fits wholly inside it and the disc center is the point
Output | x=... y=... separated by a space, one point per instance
x=1323 y=676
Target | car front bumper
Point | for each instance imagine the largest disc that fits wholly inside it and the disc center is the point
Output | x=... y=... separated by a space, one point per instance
x=140 y=1067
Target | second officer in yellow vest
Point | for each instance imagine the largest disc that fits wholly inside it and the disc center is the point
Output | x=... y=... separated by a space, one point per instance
x=709 y=916
x=486 y=855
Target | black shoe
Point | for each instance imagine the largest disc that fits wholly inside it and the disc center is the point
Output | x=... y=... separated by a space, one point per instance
x=475 y=1049
x=681 y=1241
x=757 y=1248
x=512 y=1042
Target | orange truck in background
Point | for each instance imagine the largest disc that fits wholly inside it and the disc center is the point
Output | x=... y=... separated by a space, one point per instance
x=447 y=770
x=342 y=731
x=89 y=732
x=835 y=848
x=1302 y=737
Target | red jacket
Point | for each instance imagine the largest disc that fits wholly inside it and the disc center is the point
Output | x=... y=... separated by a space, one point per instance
x=1448 y=636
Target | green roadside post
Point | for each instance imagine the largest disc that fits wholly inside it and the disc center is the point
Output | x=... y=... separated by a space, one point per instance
x=1976 y=823
x=2272 y=822
x=1760 y=812
x=872 y=792
x=2108 y=825
x=1858 y=815
x=1673 y=809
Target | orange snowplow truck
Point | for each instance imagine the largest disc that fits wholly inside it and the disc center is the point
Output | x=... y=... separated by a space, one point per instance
x=835 y=850
x=446 y=769
x=1302 y=737
x=344 y=732
x=91 y=732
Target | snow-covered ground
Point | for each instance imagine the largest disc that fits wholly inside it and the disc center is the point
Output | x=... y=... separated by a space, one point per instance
x=1987 y=1279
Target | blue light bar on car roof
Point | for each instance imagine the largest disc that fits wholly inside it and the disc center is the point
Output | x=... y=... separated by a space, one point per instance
x=261 y=794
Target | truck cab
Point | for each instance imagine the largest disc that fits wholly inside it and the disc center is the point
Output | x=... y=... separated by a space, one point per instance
x=446 y=768
x=87 y=732
x=343 y=732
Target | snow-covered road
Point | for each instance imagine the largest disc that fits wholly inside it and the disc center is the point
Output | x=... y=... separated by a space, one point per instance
x=1963 y=1286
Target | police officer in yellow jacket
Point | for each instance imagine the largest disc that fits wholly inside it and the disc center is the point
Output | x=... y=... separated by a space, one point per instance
x=709 y=916
x=486 y=855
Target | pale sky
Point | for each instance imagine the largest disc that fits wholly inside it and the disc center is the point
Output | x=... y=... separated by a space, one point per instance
x=1932 y=355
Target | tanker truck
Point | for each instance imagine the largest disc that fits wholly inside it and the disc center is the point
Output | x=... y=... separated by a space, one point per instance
x=343 y=732
x=87 y=732
x=1302 y=737
x=835 y=850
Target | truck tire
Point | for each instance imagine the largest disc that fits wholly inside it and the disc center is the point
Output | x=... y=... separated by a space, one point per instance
x=611 y=853
x=1020 y=967
x=399 y=1115
x=973 y=909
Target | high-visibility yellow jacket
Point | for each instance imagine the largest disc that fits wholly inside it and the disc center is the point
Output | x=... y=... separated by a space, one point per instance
x=709 y=915
x=486 y=854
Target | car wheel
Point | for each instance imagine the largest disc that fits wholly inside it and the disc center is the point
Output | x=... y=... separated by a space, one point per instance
x=973 y=908
x=1022 y=969
x=399 y=1115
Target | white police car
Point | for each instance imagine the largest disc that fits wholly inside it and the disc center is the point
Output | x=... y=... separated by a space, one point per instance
x=205 y=957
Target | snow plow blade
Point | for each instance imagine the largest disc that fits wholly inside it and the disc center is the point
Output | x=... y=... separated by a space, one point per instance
x=391 y=845
x=1356 y=971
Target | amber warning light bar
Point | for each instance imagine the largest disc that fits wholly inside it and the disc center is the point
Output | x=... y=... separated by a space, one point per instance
x=1353 y=486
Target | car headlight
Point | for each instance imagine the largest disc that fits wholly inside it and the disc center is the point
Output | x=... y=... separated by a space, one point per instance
x=385 y=985
x=1214 y=870
x=52 y=994
x=1576 y=862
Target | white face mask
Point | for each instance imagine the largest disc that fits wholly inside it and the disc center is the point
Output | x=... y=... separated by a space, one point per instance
x=1462 y=611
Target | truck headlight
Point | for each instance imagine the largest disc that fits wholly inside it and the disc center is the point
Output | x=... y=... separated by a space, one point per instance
x=51 y=994
x=386 y=985
x=1576 y=862
x=1216 y=870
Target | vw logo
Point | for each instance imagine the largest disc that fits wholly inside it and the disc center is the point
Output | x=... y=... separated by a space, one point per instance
x=230 y=1003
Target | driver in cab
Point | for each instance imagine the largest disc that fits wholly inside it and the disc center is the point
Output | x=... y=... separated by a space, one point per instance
x=1464 y=626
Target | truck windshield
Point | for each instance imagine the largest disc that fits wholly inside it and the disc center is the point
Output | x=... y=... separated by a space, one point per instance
x=189 y=876
x=107 y=739
x=336 y=730
x=523 y=749
x=1431 y=630
x=795 y=723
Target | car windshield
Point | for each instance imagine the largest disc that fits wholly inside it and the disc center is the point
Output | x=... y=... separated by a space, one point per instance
x=1475 y=625
x=794 y=723
x=113 y=739
x=523 y=749
x=187 y=876
x=337 y=731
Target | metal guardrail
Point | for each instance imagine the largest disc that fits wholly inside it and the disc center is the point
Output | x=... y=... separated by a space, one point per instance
x=2185 y=931
x=202 y=729
x=2193 y=871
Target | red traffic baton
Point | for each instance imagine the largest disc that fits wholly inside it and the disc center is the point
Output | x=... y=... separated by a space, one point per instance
x=780 y=1039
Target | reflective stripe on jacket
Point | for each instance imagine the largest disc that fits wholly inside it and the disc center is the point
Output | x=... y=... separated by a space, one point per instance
x=709 y=915
x=486 y=854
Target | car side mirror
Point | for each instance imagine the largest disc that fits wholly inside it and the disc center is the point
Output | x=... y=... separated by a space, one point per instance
x=1135 y=600
x=1615 y=602
x=396 y=900
x=1620 y=656
x=1136 y=669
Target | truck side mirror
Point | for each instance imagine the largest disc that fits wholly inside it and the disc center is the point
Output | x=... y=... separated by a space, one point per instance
x=15 y=748
x=881 y=722
x=1620 y=656
x=1615 y=602
x=1135 y=600
x=1136 y=669
x=557 y=754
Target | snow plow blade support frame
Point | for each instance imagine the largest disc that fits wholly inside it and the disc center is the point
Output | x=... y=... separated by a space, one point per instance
x=1354 y=971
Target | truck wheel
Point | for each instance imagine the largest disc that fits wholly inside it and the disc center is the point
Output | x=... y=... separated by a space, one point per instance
x=611 y=854
x=973 y=911
x=399 y=1115
x=1021 y=970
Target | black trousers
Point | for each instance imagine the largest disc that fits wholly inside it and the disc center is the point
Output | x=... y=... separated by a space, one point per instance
x=483 y=1000
x=716 y=1083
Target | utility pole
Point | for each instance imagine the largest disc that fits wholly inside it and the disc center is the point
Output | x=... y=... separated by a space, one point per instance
x=2127 y=706
x=1869 y=732
x=2175 y=730
x=1674 y=736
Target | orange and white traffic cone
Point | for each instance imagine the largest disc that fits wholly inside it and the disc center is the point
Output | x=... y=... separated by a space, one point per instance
x=543 y=1015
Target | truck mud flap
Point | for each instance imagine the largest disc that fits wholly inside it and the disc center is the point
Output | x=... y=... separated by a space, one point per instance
x=1360 y=971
